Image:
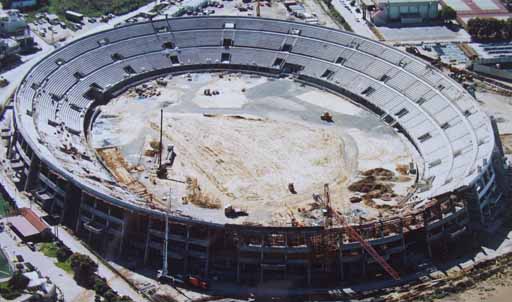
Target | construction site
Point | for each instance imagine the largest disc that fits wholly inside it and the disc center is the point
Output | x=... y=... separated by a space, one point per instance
x=242 y=156
x=253 y=145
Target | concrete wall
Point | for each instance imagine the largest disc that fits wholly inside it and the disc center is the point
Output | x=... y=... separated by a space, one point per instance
x=396 y=11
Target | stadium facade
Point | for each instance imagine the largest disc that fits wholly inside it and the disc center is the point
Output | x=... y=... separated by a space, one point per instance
x=462 y=177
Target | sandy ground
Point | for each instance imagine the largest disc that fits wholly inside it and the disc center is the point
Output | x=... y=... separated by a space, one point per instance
x=500 y=107
x=248 y=162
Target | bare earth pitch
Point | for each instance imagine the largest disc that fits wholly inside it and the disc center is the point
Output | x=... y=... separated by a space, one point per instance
x=245 y=145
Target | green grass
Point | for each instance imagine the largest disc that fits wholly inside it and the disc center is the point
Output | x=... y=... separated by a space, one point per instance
x=49 y=249
x=65 y=266
x=4 y=207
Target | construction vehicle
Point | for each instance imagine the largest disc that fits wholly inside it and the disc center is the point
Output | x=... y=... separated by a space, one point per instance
x=291 y=188
x=232 y=212
x=3 y=82
x=354 y=235
x=326 y=117
x=197 y=282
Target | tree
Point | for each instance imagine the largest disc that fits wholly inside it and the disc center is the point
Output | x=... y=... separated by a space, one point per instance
x=84 y=268
x=490 y=29
x=100 y=286
x=63 y=253
x=447 y=13
x=18 y=281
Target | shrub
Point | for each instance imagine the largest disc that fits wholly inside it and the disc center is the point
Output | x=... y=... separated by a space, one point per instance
x=100 y=286
x=84 y=268
x=63 y=253
x=18 y=281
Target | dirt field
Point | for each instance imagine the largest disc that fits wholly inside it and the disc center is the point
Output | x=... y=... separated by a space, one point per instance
x=241 y=141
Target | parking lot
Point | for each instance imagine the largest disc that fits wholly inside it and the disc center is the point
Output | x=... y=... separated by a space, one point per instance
x=423 y=33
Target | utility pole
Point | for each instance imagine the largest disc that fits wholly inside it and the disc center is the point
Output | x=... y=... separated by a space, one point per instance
x=165 y=270
x=161 y=134
x=258 y=8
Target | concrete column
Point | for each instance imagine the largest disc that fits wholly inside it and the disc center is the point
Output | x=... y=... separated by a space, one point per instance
x=67 y=200
x=238 y=262
x=262 y=243
x=364 y=259
x=33 y=170
x=123 y=232
x=11 y=144
x=403 y=257
x=207 y=264
x=309 y=271
x=77 y=227
x=340 y=258
x=148 y=234
x=286 y=256
x=185 y=266
x=93 y=216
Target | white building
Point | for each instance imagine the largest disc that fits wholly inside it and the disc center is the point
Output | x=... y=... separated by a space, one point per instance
x=11 y=22
x=406 y=11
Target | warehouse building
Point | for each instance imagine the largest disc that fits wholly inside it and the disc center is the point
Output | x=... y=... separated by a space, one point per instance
x=406 y=11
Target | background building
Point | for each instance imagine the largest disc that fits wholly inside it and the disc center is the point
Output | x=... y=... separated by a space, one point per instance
x=11 y=22
x=21 y=3
x=406 y=11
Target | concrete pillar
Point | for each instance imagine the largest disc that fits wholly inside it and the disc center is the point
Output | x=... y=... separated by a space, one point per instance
x=185 y=267
x=77 y=227
x=262 y=243
x=67 y=200
x=208 y=249
x=403 y=257
x=148 y=234
x=33 y=171
x=364 y=259
x=11 y=144
x=286 y=256
x=238 y=262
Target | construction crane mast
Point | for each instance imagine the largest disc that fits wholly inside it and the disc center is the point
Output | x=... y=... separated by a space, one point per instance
x=164 y=273
x=354 y=235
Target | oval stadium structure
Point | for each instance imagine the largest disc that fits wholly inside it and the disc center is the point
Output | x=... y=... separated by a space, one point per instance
x=461 y=177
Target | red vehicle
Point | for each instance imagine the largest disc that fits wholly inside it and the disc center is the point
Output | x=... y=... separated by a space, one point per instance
x=196 y=282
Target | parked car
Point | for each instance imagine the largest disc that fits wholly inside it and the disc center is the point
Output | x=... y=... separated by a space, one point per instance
x=31 y=246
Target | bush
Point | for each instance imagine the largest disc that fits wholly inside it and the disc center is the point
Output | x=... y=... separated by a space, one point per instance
x=100 y=286
x=84 y=269
x=63 y=253
x=447 y=13
x=18 y=281
x=110 y=295
x=14 y=287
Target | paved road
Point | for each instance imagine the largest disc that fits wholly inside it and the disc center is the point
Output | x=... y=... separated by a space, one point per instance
x=46 y=266
x=116 y=282
x=360 y=28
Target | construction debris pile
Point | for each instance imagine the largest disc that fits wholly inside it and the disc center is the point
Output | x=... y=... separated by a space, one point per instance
x=377 y=184
x=198 y=197
x=145 y=90
x=154 y=149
